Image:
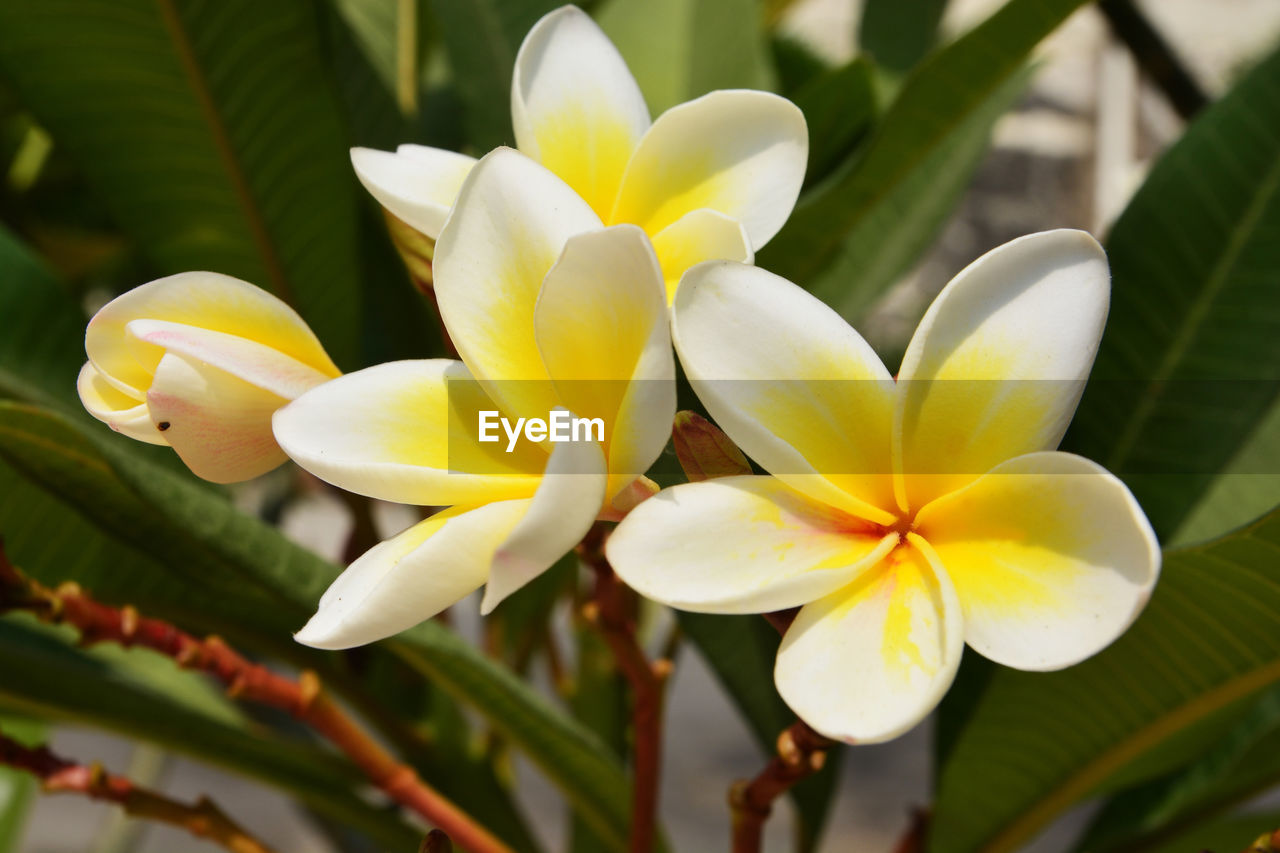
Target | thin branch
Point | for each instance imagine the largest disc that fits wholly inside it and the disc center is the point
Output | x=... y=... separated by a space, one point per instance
x=611 y=611
x=801 y=753
x=304 y=698
x=60 y=776
x=1155 y=57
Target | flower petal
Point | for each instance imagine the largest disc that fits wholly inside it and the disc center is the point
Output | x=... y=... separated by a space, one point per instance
x=560 y=514
x=790 y=382
x=741 y=545
x=219 y=424
x=255 y=363
x=204 y=300
x=998 y=363
x=869 y=661
x=740 y=152
x=125 y=414
x=416 y=183
x=1051 y=556
x=411 y=577
x=575 y=106
x=406 y=431
x=602 y=329
x=701 y=235
x=509 y=227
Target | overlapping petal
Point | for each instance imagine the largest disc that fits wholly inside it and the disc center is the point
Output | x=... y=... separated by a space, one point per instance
x=124 y=413
x=997 y=365
x=406 y=431
x=575 y=107
x=791 y=383
x=562 y=511
x=511 y=223
x=602 y=330
x=416 y=183
x=741 y=545
x=867 y=662
x=1051 y=556
x=411 y=577
x=701 y=235
x=740 y=152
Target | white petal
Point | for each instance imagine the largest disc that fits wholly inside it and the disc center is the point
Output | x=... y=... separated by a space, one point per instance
x=560 y=514
x=255 y=363
x=870 y=661
x=509 y=227
x=411 y=577
x=1051 y=556
x=740 y=152
x=219 y=424
x=125 y=414
x=416 y=183
x=791 y=383
x=406 y=431
x=602 y=329
x=703 y=235
x=741 y=545
x=204 y=300
x=998 y=363
x=575 y=106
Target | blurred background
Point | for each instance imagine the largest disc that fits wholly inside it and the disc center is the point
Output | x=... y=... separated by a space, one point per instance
x=1077 y=142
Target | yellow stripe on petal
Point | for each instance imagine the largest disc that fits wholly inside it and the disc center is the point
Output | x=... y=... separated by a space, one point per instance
x=122 y=412
x=1051 y=556
x=869 y=661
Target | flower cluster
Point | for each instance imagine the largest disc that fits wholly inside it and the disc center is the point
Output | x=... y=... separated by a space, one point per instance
x=903 y=517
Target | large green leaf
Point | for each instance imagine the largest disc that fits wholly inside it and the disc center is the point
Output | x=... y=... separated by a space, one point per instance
x=17 y=789
x=1224 y=835
x=839 y=105
x=740 y=650
x=1035 y=743
x=209 y=129
x=853 y=235
x=898 y=33
x=679 y=49
x=1189 y=367
x=209 y=566
x=143 y=695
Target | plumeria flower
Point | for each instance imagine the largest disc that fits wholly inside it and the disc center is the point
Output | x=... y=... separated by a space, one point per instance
x=550 y=311
x=712 y=178
x=200 y=362
x=904 y=518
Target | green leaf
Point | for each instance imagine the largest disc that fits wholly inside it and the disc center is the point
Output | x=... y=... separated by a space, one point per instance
x=210 y=131
x=1037 y=743
x=482 y=38
x=740 y=651
x=680 y=49
x=1188 y=367
x=17 y=789
x=142 y=695
x=855 y=234
x=898 y=33
x=1225 y=835
x=839 y=105
x=1242 y=765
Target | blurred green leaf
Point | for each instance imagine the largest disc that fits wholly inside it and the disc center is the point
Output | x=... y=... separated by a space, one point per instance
x=853 y=235
x=1242 y=765
x=741 y=650
x=207 y=127
x=142 y=695
x=680 y=49
x=1189 y=367
x=599 y=701
x=1224 y=835
x=1038 y=743
x=839 y=105
x=482 y=38
x=898 y=33
x=17 y=789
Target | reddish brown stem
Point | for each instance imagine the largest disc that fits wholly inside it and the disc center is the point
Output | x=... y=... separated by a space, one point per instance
x=1268 y=842
x=59 y=776
x=612 y=611
x=304 y=698
x=801 y=753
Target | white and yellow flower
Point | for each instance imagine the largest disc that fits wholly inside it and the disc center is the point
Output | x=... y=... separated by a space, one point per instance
x=549 y=310
x=905 y=518
x=200 y=362
x=712 y=178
